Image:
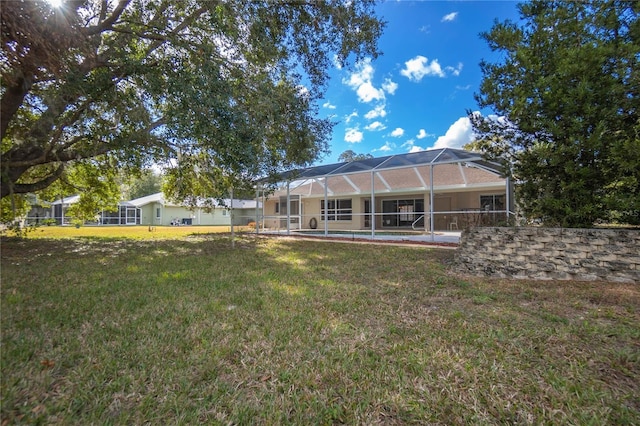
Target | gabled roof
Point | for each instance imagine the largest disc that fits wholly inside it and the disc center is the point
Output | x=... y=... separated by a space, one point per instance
x=160 y=199
x=66 y=200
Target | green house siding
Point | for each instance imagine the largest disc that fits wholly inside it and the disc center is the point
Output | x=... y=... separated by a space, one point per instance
x=147 y=214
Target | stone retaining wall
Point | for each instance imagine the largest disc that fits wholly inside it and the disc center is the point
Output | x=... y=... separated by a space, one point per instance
x=551 y=253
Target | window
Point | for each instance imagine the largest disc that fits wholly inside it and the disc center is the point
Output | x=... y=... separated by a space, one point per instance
x=224 y=212
x=337 y=209
x=492 y=202
x=157 y=212
x=277 y=208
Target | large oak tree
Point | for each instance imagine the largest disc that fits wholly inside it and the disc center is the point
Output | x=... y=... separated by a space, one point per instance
x=566 y=93
x=221 y=91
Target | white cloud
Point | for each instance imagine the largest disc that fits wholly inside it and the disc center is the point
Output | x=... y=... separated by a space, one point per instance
x=458 y=134
x=375 y=126
x=367 y=93
x=399 y=131
x=389 y=86
x=388 y=146
x=364 y=72
x=423 y=134
x=378 y=111
x=411 y=146
x=353 y=136
x=418 y=67
x=449 y=17
x=328 y=105
x=455 y=71
x=360 y=81
x=351 y=116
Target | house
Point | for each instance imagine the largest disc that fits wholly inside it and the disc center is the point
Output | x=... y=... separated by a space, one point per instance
x=39 y=211
x=155 y=210
x=59 y=209
x=440 y=189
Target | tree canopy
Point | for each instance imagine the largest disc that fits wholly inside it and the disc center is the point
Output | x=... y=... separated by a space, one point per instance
x=350 y=155
x=221 y=91
x=566 y=97
x=146 y=183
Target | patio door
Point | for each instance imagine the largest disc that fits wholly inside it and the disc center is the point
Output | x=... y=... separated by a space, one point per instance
x=131 y=216
x=403 y=213
x=294 y=214
x=406 y=210
x=367 y=212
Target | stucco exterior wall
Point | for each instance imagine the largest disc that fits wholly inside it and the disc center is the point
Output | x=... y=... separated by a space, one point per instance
x=454 y=201
x=216 y=217
x=147 y=215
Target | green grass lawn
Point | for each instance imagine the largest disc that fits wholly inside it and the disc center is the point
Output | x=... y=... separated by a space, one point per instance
x=280 y=331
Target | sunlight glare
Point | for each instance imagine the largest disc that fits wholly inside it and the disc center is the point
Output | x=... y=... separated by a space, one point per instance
x=55 y=3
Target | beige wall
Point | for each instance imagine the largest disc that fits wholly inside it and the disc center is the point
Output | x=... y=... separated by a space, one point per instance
x=450 y=202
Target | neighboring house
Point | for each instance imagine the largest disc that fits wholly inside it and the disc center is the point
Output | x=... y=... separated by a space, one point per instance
x=396 y=191
x=156 y=210
x=40 y=211
x=59 y=209
x=125 y=213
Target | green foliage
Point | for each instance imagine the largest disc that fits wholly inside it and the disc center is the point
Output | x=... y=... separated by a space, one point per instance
x=144 y=183
x=350 y=155
x=13 y=209
x=190 y=182
x=97 y=182
x=567 y=96
x=233 y=84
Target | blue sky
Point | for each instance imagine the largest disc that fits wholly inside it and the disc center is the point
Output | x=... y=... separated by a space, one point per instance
x=415 y=95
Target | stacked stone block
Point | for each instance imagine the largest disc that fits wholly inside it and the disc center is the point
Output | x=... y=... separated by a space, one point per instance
x=551 y=253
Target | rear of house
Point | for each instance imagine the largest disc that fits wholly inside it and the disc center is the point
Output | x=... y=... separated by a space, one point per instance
x=397 y=198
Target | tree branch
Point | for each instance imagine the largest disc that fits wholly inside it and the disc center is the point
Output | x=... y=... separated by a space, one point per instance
x=24 y=188
x=155 y=37
x=186 y=22
x=12 y=99
x=107 y=23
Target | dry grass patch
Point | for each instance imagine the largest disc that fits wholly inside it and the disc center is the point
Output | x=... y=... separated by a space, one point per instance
x=139 y=232
x=297 y=332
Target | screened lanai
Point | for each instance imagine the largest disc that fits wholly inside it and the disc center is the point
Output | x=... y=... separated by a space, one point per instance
x=424 y=192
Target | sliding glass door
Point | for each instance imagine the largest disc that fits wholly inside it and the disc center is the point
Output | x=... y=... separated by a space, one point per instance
x=403 y=213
